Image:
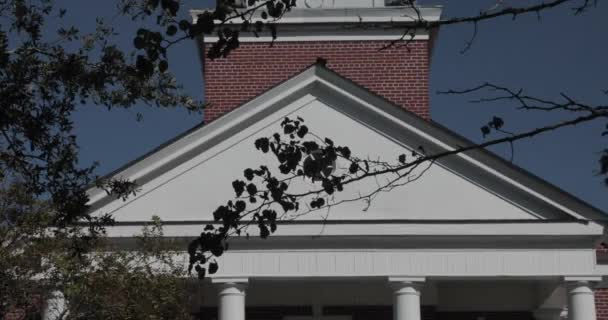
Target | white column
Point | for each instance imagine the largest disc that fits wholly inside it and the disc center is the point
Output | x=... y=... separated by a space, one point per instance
x=231 y=298
x=406 y=298
x=581 y=300
x=55 y=306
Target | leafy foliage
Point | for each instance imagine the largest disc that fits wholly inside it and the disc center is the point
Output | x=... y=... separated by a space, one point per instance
x=144 y=281
x=257 y=17
x=24 y=242
x=147 y=281
x=44 y=75
x=496 y=124
x=263 y=198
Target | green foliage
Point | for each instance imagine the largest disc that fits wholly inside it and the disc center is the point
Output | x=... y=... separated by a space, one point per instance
x=146 y=280
x=24 y=243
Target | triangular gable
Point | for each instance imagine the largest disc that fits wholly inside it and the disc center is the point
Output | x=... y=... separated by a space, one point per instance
x=180 y=181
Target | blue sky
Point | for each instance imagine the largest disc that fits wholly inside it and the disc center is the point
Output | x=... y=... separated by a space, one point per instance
x=559 y=53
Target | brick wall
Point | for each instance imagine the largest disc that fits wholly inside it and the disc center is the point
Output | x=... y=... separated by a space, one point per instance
x=601 y=303
x=401 y=75
x=601 y=294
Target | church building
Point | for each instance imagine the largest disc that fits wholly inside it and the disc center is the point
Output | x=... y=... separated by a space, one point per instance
x=473 y=237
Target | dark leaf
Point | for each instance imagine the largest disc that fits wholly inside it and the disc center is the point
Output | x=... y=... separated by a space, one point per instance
x=262 y=144
x=184 y=25
x=485 y=130
x=402 y=158
x=163 y=65
x=345 y=152
x=171 y=30
x=213 y=267
x=497 y=123
x=252 y=189
x=248 y=174
x=302 y=131
x=139 y=43
x=239 y=187
x=604 y=163
x=200 y=271
x=240 y=206
x=217 y=250
x=328 y=186
x=264 y=232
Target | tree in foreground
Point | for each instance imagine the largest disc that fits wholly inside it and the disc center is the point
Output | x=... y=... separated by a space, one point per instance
x=143 y=281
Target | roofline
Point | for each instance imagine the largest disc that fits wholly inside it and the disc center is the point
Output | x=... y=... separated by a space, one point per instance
x=393 y=15
x=179 y=136
x=368 y=221
x=202 y=126
x=510 y=165
x=147 y=154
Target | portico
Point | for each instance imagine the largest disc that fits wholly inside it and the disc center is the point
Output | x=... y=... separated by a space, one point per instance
x=394 y=298
x=406 y=278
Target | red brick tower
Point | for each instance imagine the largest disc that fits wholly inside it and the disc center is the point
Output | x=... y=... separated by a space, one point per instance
x=353 y=36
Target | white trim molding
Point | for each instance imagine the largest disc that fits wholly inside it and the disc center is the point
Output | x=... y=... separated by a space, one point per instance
x=583 y=278
x=339 y=24
x=346 y=15
x=293 y=37
x=435 y=263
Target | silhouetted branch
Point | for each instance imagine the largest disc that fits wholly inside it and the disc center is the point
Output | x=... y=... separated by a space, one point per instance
x=492 y=13
x=513 y=12
x=527 y=102
x=469 y=42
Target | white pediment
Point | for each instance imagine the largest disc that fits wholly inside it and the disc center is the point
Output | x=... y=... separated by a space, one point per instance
x=187 y=179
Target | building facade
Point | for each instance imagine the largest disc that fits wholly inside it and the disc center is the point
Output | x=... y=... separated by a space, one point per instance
x=473 y=237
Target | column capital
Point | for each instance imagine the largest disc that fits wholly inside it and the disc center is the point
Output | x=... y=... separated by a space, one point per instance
x=231 y=286
x=403 y=279
x=406 y=285
x=406 y=295
x=583 y=279
x=235 y=280
x=581 y=300
x=231 y=294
